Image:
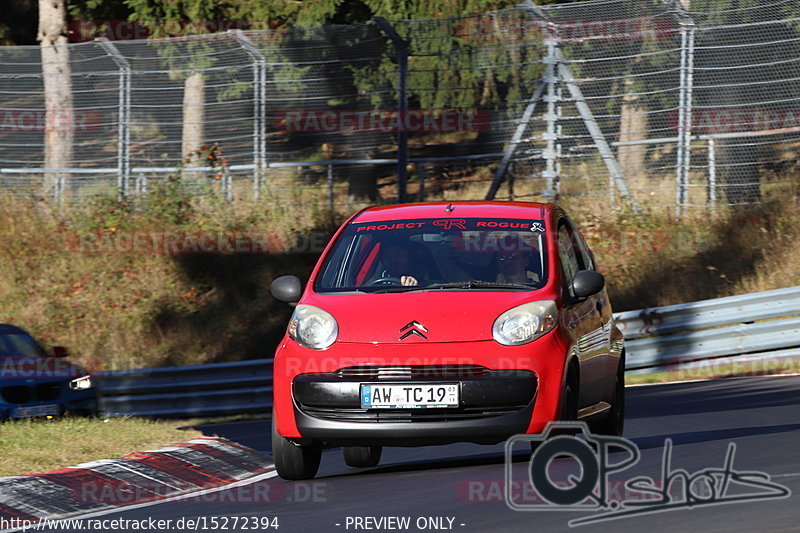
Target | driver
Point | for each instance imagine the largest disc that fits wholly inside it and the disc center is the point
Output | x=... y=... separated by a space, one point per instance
x=513 y=263
x=512 y=268
x=397 y=260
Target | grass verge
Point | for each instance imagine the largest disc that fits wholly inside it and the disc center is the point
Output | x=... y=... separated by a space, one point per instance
x=31 y=446
x=72 y=277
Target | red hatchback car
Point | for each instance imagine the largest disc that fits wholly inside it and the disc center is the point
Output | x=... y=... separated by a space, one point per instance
x=436 y=323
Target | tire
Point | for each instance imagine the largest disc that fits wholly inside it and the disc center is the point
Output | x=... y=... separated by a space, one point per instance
x=569 y=407
x=614 y=423
x=569 y=413
x=362 y=456
x=292 y=461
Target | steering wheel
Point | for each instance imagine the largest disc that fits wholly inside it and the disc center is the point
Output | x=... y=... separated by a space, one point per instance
x=389 y=281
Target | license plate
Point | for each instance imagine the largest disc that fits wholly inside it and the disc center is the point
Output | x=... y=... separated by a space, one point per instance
x=36 y=410
x=408 y=395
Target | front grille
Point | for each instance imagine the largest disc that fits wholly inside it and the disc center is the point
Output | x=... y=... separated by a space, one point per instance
x=39 y=392
x=47 y=392
x=408 y=415
x=412 y=372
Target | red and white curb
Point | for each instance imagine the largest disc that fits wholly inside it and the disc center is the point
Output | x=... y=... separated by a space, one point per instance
x=171 y=472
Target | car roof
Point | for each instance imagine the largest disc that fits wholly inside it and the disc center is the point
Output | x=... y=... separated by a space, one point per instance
x=469 y=209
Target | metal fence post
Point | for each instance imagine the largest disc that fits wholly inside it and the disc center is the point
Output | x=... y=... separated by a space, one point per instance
x=684 y=149
x=551 y=118
x=564 y=74
x=330 y=187
x=124 y=116
x=712 y=172
x=260 y=108
x=401 y=45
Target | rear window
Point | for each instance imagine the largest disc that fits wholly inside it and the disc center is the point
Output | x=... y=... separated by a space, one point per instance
x=458 y=254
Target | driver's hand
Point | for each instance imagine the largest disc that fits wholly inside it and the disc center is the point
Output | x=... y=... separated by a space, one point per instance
x=408 y=281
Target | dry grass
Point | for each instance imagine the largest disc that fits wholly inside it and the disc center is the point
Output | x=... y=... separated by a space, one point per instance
x=119 y=310
x=124 y=310
x=30 y=446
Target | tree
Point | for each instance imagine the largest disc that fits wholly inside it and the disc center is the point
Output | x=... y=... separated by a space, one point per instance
x=52 y=37
x=177 y=18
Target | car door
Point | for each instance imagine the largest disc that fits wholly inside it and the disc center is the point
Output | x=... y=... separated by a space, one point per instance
x=609 y=358
x=584 y=317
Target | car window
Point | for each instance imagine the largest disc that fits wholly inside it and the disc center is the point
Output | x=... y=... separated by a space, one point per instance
x=584 y=255
x=372 y=256
x=14 y=343
x=566 y=252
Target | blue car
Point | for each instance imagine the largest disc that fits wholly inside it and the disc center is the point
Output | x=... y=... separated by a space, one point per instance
x=35 y=383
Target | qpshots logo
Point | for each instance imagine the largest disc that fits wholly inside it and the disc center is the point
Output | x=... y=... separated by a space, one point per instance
x=600 y=457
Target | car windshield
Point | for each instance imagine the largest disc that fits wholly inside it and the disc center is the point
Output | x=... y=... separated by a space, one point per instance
x=436 y=254
x=16 y=344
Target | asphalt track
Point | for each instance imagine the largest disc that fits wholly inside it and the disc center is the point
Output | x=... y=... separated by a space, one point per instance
x=464 y=482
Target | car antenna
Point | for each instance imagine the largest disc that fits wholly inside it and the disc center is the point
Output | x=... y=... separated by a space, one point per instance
x=449 y=208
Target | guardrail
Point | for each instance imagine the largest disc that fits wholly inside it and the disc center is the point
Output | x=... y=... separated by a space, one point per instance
x=741 y=328
x=203 y=390
x=764 y=324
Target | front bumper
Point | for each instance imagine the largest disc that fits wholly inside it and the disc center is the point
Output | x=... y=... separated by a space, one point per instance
x=545 y=359
x=494 y=405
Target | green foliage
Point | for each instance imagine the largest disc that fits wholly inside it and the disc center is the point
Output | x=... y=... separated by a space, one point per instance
x=97 y=10
x=169 y=201
x=5 y=35
x=104 y=213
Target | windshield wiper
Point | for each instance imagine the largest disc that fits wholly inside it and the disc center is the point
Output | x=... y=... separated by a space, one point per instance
x=472 y=284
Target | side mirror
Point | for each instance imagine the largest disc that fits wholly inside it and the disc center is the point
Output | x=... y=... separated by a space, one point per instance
x=59 y=351
x=587 y=282
x=286 y=289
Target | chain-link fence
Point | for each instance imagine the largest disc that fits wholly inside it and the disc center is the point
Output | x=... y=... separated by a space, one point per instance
x=600 y=100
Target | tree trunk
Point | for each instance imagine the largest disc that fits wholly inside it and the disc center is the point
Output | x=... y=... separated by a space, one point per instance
x=194 y=100
x=633 y=127
x=56 y=72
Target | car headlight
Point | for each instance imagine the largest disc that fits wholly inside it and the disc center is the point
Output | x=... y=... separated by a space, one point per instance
x=81 y=383
x=525 y=323
x=312 y=327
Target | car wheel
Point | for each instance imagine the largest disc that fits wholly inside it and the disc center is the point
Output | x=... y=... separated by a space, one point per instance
x=294 y=461
x=569 y=413
x=615 y=421
x=362 y=456
x=569 y=407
